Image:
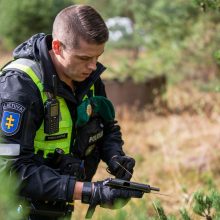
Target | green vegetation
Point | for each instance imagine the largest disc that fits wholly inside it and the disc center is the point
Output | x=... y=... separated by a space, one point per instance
x=208 y=4
x=21 y=19
x=179 y=39
x=8 y=196
x=204 y=205
x=176 y=38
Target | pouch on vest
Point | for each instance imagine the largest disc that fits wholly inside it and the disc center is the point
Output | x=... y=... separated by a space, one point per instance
x=96 y=105
x=92 y=113
x=87 y=136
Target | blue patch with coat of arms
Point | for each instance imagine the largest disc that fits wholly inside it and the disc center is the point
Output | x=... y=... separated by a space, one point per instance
x=11 y=117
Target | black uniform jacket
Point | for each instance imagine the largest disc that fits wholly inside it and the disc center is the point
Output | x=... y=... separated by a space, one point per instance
x=19 y=92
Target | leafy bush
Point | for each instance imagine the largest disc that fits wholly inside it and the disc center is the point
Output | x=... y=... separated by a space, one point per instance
x=177 y=39
x=21 y=19
x=8 y=200
x=208 y=4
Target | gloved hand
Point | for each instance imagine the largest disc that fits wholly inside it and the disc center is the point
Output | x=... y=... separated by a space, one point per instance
x=111 y=198
x=121 y=167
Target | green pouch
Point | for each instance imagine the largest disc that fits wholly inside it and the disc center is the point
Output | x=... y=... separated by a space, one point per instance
x=92 y=106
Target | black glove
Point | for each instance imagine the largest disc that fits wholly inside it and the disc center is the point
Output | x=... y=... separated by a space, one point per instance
x=121 y=167
x=111 y=198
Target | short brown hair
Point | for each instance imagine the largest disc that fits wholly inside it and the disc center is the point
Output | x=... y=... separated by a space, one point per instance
x=79 y=21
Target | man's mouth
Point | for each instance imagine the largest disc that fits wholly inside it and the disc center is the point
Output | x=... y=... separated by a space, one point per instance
x=86 y=74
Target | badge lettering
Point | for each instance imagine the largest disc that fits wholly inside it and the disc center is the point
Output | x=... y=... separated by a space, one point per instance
x=95 y=137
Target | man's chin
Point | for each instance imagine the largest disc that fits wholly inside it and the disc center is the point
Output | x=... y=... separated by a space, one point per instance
x=85 y=76
x=81 y=79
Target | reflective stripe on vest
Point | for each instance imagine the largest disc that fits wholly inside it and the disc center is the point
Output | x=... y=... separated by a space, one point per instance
x=60 y=139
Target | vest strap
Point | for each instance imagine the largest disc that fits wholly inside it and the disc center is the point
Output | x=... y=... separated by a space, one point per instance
x=33 y=72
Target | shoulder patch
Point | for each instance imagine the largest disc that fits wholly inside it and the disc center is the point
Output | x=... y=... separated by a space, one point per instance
x=12 y=113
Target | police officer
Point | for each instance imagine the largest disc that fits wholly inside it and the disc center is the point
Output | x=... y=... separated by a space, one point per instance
x=56 y=122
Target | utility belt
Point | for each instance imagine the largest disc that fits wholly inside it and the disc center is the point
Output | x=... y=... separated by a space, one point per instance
x=46 y=209
x=52 y=209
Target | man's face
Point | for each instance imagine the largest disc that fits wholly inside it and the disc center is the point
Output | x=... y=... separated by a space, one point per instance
x=77 y=64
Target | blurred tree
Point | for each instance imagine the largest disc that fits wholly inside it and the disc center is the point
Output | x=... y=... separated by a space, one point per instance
x=174 y=38
x=21 y=19
x=208 y=4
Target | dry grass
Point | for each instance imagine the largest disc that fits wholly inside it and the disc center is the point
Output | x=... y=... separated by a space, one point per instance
x=4 y=57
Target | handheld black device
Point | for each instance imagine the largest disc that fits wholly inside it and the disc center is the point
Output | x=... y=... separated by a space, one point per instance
x=119 y=183
x=52 y=111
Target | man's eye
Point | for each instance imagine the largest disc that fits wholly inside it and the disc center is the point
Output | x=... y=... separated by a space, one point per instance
x=84 y=58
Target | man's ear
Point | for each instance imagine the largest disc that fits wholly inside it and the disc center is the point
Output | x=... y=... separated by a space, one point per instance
x=56 y=47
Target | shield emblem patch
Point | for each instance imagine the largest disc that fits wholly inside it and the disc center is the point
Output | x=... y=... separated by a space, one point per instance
x=10 y=122
x=11 y=118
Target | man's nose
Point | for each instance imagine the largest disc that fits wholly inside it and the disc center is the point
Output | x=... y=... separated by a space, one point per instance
x=92 y=64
